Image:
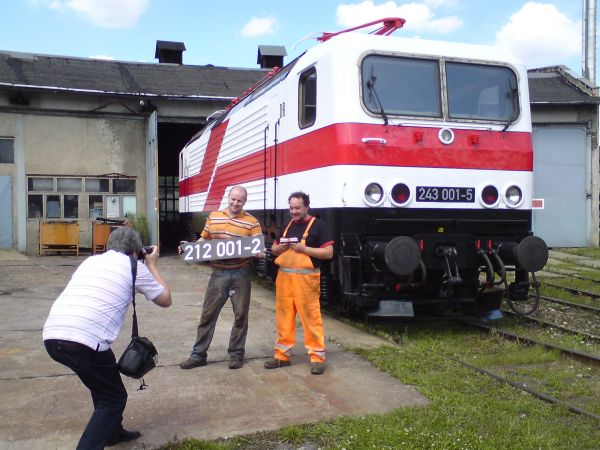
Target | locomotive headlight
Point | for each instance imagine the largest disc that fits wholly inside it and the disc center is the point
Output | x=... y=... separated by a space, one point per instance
x=373 y=194
x=513 y=196
x=489 y=196
x=446 y=136
x=400 y=194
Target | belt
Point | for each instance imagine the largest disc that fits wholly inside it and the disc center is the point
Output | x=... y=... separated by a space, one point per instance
x=300 y=271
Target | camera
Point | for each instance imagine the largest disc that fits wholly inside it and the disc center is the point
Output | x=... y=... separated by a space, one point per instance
x=146 y=250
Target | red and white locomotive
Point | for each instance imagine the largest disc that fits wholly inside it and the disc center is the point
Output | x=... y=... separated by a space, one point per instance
x=417 y=154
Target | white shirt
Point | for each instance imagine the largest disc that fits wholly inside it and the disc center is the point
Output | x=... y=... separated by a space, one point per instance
x=91 y=308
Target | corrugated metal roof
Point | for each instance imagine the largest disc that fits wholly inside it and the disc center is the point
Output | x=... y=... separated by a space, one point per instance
x=45 y=72
x=559 y=85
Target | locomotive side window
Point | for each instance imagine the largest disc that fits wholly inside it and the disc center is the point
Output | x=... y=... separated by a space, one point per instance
x=401 y=86
x=481 y=92
x=307 y=98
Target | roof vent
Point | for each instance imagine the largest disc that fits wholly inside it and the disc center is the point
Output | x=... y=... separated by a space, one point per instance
x=270 y=56
x=169 y=52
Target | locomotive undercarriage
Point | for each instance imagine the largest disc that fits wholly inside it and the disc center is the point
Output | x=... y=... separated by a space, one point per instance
x=453 y=274
x=464 y=265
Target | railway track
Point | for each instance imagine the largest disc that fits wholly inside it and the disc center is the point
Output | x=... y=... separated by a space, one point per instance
x=572 y=275
x=523 y=386
x=573 y=290
x=580 y=356
x=576 y=354
x=562 y=302
x=547 y=324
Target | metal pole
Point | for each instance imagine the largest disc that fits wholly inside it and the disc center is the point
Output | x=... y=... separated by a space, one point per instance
x=589 y=40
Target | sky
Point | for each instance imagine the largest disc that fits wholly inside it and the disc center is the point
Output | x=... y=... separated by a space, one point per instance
x=228 y=32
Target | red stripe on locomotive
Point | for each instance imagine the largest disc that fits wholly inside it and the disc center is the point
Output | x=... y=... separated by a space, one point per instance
x=200 y=182
x=341 y=144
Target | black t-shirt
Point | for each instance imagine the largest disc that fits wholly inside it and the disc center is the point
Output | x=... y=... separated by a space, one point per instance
x=318 y=235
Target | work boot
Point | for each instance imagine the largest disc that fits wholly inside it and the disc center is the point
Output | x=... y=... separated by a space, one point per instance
x=317 y=368
x=122 y=435
x=274 y=363
x=236 y=362
x=190 y=363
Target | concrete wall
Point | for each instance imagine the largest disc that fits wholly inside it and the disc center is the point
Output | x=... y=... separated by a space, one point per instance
x=71 y=145
x=79 y=134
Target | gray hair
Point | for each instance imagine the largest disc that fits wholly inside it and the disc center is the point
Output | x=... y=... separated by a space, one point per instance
x=124 y=240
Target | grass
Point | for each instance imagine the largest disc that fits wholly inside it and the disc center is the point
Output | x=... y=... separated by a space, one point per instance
x=465 y=411
x=589 y=252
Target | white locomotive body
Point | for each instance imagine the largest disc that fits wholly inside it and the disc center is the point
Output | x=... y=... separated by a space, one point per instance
x=417 y=154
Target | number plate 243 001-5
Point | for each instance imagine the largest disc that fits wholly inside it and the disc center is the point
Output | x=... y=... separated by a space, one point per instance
x=445 y=194
x=214 y=249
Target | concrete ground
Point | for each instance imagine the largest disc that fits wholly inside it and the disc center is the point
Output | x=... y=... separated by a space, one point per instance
x=44 y=406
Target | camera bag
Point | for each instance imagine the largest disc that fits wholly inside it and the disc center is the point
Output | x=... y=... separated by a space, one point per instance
x=140 y=356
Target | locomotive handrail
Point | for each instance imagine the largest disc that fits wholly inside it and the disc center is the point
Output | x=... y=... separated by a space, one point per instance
x=252 y=88
x=369 y=140
x=389 y=25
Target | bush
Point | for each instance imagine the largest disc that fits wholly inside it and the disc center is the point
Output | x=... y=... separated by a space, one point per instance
x=140 y=224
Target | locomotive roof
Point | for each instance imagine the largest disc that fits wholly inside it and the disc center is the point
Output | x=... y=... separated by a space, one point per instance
x=361 y=42
x=27 y=71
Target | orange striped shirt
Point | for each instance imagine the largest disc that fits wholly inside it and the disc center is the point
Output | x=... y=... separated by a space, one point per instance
x=222 y=223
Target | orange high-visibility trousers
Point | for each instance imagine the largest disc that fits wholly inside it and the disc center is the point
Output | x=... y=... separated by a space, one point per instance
x=298 y=293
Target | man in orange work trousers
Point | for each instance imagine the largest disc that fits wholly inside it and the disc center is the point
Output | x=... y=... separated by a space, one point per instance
x=302 y=246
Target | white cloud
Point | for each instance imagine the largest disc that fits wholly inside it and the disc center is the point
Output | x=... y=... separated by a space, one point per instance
x=103 y=13
x=259 y=26
x=540 y=35
x=420 y=17
x=105 y=57
x=440 y=3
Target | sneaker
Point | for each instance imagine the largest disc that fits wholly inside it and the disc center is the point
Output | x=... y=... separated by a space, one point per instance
x=190 y=363
x=274 y=363
x=317 y=368
x=236 y=363
x=122 y=435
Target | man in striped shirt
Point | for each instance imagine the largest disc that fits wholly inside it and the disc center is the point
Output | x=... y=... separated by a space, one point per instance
x=230 y=279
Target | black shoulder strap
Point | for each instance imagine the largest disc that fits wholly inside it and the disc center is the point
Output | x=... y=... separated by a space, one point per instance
x=134 y=328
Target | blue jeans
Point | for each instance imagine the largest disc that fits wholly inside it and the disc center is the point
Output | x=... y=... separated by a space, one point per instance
x=224 y=284
x=100 y=374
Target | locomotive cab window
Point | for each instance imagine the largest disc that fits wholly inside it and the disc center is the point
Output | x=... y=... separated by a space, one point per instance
x=401 y=86
x=307 y=101
x=481 y=92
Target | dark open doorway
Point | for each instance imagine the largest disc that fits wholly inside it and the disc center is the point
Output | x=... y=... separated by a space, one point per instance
x=171 y=139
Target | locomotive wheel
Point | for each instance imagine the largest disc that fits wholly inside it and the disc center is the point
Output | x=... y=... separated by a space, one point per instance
x=528 y=305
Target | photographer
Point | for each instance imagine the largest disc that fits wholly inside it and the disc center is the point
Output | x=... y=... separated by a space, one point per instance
x=86 y=318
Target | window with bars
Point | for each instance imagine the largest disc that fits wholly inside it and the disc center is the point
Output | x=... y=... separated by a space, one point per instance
x=168 y=193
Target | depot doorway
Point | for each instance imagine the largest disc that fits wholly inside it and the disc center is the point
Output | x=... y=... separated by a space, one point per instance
x=171 y=138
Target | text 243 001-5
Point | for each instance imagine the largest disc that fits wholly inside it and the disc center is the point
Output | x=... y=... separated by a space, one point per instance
x=445 y=194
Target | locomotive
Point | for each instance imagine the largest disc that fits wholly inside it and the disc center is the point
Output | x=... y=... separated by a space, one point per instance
x=417 y=154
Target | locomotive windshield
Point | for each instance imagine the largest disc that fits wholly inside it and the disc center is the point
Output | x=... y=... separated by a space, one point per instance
x=481 y=92
x=401 y=86
x=411 y=87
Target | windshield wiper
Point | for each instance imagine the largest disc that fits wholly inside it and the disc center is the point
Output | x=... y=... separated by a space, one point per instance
x=371 y=86
x=513 y=102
